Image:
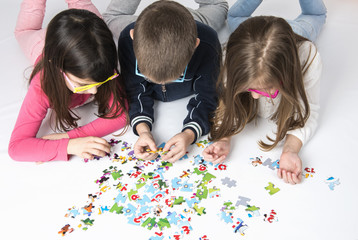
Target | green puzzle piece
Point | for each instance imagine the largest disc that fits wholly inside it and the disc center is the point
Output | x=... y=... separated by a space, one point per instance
x=166 y=164
x=198 y=172
x=163 y=222
x=228 y=206
x=202 y=193
x=207 y=177
x=214 y=189
x=145 y=176
x=204 y=141
x=252 y=208
x=131 y=193
x=149 y=223
x=271 y=188
x=162 y=183
x=116 y=208
x=140 y=185
x=178 y=201
x=117 y=175
x=88 y=222
x=199 y=211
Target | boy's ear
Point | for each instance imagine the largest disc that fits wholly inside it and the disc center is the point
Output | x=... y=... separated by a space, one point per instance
x=197 y=42
x=131 y=33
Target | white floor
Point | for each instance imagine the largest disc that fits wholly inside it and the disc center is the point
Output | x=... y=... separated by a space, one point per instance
x=35 y=198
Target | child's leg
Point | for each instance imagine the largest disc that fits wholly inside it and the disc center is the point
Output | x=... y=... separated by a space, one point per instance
x=241 y=11
x=119 y=14
x=83 y=4
x=28 y=30
x=211 y=12
x=312 y=19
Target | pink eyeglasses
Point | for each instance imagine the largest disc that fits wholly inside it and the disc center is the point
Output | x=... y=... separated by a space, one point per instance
x=265 y=94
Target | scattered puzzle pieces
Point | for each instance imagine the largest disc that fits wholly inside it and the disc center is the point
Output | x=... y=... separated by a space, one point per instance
x=271 y=188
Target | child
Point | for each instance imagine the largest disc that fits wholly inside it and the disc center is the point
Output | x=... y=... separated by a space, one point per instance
x=165 y=55
x=78 y=64
x=270 y=71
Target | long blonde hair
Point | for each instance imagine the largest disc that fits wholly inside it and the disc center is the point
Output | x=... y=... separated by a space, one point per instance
x=262 y=50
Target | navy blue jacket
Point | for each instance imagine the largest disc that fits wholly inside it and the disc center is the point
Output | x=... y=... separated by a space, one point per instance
x=200 y=81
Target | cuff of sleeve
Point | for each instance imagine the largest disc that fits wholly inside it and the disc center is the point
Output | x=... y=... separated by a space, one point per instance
x=195 y=127
x=72 y=133
x=141 y=119
x=63 y=149
x=298 y=134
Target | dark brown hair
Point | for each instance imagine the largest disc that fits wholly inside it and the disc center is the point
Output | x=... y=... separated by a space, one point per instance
x=80 y=43
x=164 y=40
x=261 y=50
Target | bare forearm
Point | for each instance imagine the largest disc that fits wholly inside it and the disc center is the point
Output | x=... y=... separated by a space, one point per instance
x=292 y=144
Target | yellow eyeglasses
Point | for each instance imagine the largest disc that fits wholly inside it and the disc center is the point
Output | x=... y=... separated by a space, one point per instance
x=89 y=86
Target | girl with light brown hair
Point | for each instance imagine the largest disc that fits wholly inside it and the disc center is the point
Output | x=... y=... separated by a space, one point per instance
x=271 y=72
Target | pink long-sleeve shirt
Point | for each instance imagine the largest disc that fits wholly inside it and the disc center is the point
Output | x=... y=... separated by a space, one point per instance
x=24 y=146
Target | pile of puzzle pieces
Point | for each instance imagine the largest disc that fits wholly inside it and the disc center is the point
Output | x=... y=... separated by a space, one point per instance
x=148 y=195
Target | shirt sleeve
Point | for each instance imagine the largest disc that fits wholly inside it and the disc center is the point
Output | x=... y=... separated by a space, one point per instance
x=202 y=105
x=138 y=89
x=312 y=86
x=24 y=146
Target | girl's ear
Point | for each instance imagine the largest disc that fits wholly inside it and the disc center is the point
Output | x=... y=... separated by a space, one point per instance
x=131 y=33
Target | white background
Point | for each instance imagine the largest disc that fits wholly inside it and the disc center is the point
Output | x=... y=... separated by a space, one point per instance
x=34 y=198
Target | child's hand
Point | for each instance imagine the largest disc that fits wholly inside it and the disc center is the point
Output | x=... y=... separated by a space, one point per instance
x=290 y=168
x=290 y=163
x=87 y=147
x=55 y=136
x=145 y=142
x=178 y=145
x=217 y=151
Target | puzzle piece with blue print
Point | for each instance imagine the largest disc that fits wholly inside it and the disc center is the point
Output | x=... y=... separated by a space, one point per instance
x=226 y=217
x=173 y=218
x=332 y=182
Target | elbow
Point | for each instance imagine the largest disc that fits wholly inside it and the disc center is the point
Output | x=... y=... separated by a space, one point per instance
x=12 y=152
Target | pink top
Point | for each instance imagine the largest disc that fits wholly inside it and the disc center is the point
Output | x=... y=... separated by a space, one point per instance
x=24 y=146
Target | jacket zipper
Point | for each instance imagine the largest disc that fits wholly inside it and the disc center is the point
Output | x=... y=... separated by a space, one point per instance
x=164 y=90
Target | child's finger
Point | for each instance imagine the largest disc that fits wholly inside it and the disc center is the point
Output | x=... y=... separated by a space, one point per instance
x=152 y=156
x=208 y=156
x=289 y=178
x=168 y=145
x=220 y=159
x=299 y=176
x=175 y=155
x=152 y=146
x=284 y=175
x=170 y=154
x=101 y=141
x=279 y=173
x=86 y=155
x=141 y=155
x=296 y=179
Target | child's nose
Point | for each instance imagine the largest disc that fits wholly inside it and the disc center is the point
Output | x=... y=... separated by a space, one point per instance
x=92 y=90
x=255 y=95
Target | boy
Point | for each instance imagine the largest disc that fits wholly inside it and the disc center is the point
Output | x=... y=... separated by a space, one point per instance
x=166 y=55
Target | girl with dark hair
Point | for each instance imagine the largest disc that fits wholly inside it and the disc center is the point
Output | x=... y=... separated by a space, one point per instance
x=272 y=72
x=75 y=63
